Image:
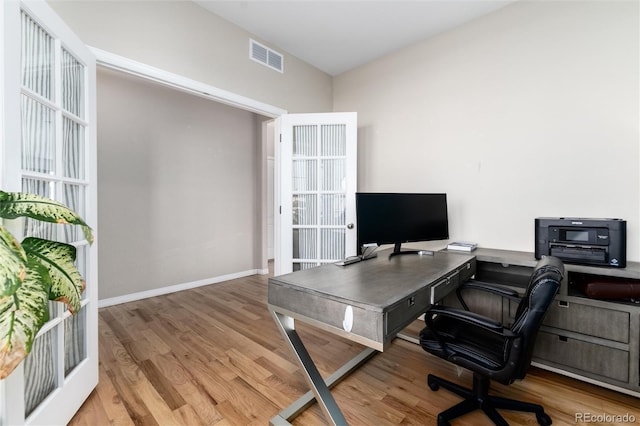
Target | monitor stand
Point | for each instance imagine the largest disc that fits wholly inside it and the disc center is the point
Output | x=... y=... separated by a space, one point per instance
x=398 y=251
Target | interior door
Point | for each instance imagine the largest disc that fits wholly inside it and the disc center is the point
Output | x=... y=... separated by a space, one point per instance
x=316 y=160
x=49 y=148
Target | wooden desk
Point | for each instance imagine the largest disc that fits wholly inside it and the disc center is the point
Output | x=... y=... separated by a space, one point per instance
x=367 y=302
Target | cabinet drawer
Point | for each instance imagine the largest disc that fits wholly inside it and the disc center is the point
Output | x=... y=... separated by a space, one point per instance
x=586 y=357
x=585 y=319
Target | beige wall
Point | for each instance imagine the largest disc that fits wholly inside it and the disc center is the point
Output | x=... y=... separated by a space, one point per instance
x=178 y=192
x=183 y=38
x=530 y=111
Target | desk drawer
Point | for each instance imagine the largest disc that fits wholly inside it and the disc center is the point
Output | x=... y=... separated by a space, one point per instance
x=585 y=319
x=326 y=312
x=413 y=306
x=586 y=357
x=398 y=316
x=451 y=282
x=443 y=287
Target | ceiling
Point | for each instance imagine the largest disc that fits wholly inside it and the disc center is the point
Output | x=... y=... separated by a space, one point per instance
x=338 y=35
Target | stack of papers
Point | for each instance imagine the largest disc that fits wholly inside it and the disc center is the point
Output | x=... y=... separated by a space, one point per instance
x=462 y=246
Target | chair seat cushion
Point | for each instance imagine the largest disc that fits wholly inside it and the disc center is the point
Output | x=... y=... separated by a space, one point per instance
x=465 y=344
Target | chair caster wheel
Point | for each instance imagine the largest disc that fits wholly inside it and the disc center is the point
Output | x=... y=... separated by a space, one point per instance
x=543 y=419
x=433 y=385
x=443 y=422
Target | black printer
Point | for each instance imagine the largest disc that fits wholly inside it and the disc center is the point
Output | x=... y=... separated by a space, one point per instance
x=599 y=242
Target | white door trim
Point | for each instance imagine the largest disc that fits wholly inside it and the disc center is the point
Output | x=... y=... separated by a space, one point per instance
x=179 y=82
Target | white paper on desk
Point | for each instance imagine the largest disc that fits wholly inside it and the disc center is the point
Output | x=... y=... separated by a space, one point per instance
x=347 y=323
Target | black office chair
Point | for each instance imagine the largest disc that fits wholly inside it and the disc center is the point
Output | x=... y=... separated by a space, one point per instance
x=489 y=349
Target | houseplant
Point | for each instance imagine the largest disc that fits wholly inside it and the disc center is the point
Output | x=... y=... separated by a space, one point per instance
x=32 y=273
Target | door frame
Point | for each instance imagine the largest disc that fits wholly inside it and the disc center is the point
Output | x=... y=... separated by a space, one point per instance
x=182 y=83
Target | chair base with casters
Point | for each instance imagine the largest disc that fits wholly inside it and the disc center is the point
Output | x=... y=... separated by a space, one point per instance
x=490 y=349
x=478 y=398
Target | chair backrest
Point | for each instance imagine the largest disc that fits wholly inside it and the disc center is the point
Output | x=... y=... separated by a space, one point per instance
x=542 y=288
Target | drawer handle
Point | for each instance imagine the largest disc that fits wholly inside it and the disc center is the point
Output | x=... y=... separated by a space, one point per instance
x=563 y=338
x=563 y=303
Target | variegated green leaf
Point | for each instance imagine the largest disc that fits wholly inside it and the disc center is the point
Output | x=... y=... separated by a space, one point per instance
x=12 y=263
x=16 y=204
x=21 y=317
x=67 y=284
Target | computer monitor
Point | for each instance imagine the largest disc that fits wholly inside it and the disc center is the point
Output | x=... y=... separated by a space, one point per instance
x=396 y=218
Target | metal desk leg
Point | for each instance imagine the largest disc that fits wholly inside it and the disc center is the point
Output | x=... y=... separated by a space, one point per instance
x=319 y=388
x=408 y=338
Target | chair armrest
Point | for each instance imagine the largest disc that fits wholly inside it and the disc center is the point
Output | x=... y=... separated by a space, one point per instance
x=468 y=317
x=487 y=287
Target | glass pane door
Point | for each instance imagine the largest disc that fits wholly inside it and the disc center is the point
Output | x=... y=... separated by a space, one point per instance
x=53 y=165
x=318 y=194
x=54 y=84
x=317 y=191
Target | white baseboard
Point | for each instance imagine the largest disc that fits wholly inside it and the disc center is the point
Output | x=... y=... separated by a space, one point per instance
x=103 y=303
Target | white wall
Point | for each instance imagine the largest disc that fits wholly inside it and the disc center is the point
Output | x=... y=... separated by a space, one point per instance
x=186 y=39
x=530 y=111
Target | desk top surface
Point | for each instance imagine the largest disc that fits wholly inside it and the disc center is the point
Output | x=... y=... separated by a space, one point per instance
x=375 y=283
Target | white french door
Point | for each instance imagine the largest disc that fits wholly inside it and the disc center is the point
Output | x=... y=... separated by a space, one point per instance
x=316 y=161
x=49 y=148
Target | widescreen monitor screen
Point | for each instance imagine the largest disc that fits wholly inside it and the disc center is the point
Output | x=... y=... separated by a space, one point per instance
x=396 y=218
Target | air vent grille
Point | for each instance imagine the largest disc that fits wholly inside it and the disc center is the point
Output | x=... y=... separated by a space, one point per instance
x=266 y=56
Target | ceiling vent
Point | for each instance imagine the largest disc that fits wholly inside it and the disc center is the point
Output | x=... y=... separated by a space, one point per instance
x=261 y=53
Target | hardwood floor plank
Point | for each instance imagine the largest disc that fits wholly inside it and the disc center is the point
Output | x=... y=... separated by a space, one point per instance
x=164 y=388
x=157 y=406
x=232 y=414
x=230 y=320
x=122 y=372
x=135 y=407
x=117 y=329
x=278 y=366
x=187 y=415
x=95 y=414
x=198 y=399
x=111 y=401
x=244 y=366
x=368 y=401
x=214 y=356
x=155 y=343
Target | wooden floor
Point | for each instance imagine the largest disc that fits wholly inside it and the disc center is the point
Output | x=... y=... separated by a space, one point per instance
x=213 y=355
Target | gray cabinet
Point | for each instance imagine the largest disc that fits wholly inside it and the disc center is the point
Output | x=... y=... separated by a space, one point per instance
x=590 y=339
